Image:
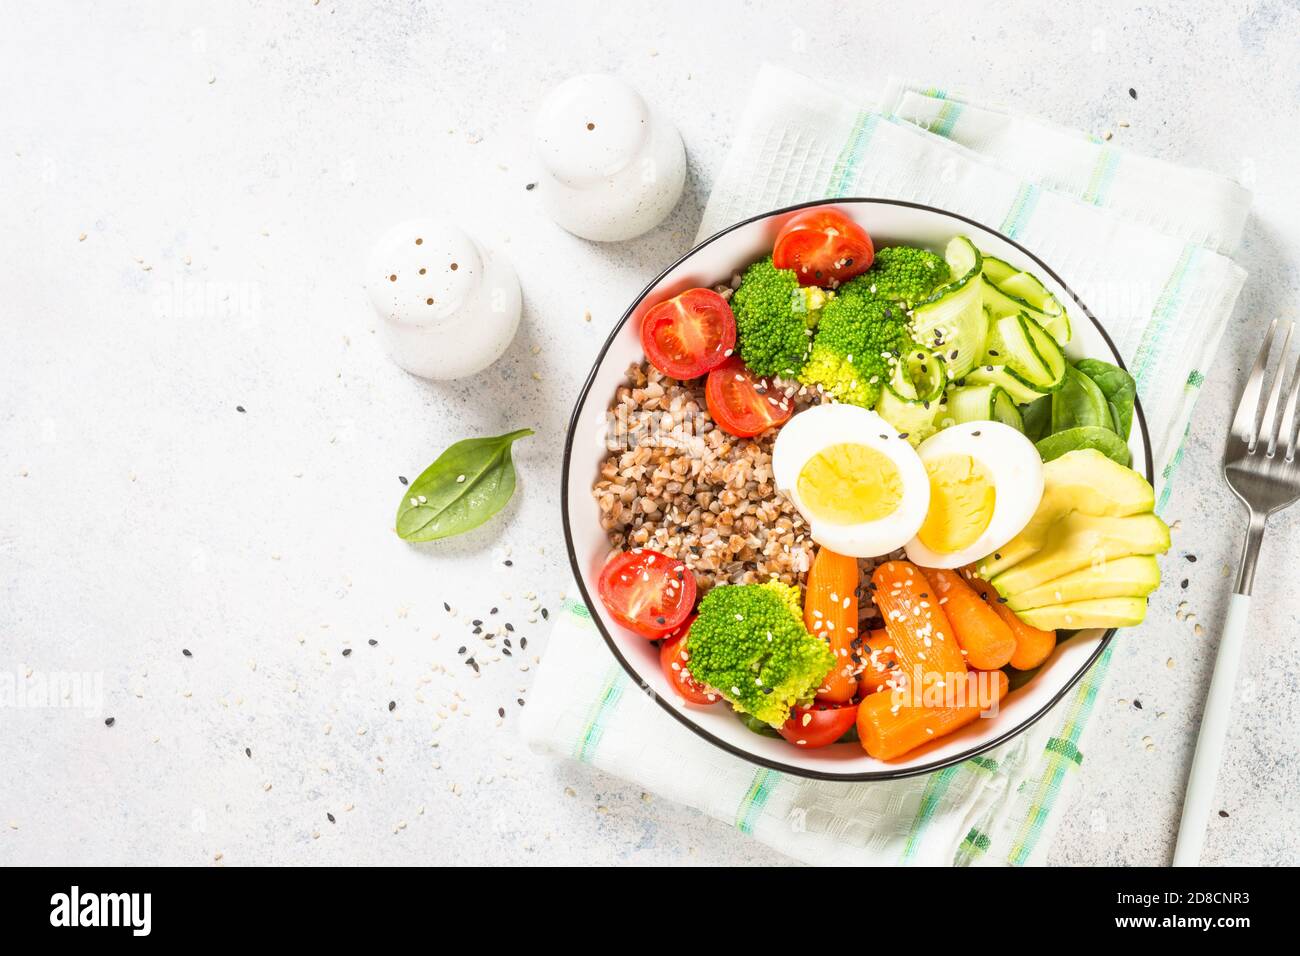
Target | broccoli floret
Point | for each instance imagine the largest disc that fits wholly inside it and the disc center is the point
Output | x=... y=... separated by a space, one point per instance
x=773 y=315
x=904 y=274
x=749 y=644
x=859 y=338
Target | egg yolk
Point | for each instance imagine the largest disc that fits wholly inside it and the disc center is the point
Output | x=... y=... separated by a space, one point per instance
x=962 y=496
x=850 y=484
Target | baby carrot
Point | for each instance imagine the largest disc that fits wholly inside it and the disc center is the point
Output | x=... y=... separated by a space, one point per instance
x=830 y=611
x=986 y=639
x=888 y=730
x=878 y=662
x=1033 y=645
x=917 y=625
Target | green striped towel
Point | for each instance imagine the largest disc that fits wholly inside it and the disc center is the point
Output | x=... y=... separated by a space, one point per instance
x=1144 y=243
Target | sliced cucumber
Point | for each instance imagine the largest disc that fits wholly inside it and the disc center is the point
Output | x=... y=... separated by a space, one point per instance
x=963 y=259
x=1015 y=340
x=1020 y=391
x=953 y=324
x=997 y=270
x=981 y=403
x=911 y=399
x=1022 y=292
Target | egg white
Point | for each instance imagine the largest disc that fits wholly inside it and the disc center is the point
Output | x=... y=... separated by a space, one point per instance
x=1016 y=471
x=816 y=429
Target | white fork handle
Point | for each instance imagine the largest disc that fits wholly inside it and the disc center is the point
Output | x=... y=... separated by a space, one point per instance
x=1209 y=743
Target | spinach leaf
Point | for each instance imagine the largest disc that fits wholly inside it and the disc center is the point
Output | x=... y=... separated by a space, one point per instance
x=468 y=483
x=1085 y=436
x=1118 y=387
x=1079 y=403
x=1037 y=418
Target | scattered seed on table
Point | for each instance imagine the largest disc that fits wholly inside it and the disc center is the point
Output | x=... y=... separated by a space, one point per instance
x=509 y=626
x=507 y=642
x=477 y=630
x=1183 y=583
x=240 y=409
x=545 y=613
x=446 y=606
x=402 y=479
x=1223 y=813
x=1137 y=704
x=110 y=721
x=392 y=706
x=523 y=643
x=1190 y=557
x=248 y=751
x=372 y=642
x=508 y=563
x=462 y=649
x=330 y=817
x=494 y=610
x=519 y=701
x=530 y=186
x=501 y=711
x=347 y=652
x=472 y=663
x=186 y=652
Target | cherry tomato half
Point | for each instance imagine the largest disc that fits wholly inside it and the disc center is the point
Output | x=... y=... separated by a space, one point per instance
x=817 y=726
x=824 y=247
x=689 y=334
x=741 y=405
x=647 y=592
x=673 y=658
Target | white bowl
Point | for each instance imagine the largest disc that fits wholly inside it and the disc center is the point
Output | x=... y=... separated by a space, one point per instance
x=715 y=260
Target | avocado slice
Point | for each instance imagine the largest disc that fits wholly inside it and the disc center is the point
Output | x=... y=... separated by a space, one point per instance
x=1085 y=481
x=1080 y=541
x=1103 y=612
x=1135 y=576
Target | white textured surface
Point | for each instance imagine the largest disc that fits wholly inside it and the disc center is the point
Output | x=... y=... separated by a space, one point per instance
x=249 y=155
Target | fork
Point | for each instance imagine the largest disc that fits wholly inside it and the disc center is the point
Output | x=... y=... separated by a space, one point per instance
x=1260 y=467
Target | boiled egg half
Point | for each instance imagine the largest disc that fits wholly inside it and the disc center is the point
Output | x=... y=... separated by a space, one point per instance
x=861 y=488
x=985 y=481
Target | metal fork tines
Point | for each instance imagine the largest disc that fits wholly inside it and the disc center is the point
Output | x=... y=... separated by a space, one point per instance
x=1260 y=461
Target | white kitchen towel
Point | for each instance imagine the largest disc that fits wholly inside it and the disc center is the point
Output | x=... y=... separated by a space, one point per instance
x=1143 y=242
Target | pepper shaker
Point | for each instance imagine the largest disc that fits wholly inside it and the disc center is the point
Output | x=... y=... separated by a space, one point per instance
x=613 y=167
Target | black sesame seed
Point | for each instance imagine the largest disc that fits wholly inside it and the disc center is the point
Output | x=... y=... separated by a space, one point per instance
x=506 y=652
x=993 y=351
x=507 y=642
x=1137 y=704
x=476 y=622
x=402 y=479
x=446 y=606
x=509 y=626
x=508 y=563
x=472 y=663
x=545 y=614
x=519 y=701
x=248 y=751
x=1183 y=583
x=392 y=706
x=240 y=409
x=1191 y=558
x=477 y=630
x=372 y=642
x=903 y=434
x=501 y=711
x=110 y=721
x=661 y=620
x=1002 y=600
x=996 y=556
x=347 y=652
x=531 y=186
x=974 y=434
x=523 y=643
x=462 y=649
x=186 y=652
x=1223 y=813
x=1133 y=94
x=329 y=817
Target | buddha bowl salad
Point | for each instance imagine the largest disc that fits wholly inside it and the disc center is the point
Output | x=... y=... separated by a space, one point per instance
x=851 y=475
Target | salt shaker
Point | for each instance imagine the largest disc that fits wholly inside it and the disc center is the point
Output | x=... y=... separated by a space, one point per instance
x=448 y=307
x=613 y=167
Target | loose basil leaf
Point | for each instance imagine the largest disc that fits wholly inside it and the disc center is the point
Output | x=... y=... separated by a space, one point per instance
x=1086 y=436
x=1118 y=387
x=469 y=483
x=1079 y=403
